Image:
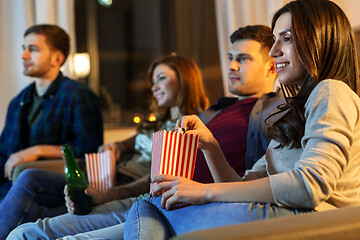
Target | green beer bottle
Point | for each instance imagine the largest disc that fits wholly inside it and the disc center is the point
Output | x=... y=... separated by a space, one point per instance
x=75 y=179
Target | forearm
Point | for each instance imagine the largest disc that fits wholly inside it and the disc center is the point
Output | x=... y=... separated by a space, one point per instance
x=48 y=151
x=248 y=191
x=219 y=167
x=127 y=146
x=134 y=189
x=31 y=154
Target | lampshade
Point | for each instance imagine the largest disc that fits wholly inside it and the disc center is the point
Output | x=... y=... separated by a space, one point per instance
x=81 y=64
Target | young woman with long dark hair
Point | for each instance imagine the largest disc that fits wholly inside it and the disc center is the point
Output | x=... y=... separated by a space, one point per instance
x=312 y=162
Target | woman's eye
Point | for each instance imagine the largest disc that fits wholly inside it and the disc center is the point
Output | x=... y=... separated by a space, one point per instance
x=287 y=39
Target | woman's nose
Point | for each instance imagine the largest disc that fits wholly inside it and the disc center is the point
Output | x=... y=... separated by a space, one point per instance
x=154 y=87
x=275 y=50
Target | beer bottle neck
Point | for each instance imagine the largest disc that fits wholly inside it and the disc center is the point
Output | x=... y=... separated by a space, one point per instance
x=69 y=158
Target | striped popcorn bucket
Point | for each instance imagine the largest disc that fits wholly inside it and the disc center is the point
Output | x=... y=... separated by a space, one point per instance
x=173 y=153
x=100 y=168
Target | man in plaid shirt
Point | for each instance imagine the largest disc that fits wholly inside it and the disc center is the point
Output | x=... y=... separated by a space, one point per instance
x=51 y=111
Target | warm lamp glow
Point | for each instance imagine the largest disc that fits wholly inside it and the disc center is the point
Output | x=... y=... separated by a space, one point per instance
x=137 y=119
x=82 y=64
x=152 y=117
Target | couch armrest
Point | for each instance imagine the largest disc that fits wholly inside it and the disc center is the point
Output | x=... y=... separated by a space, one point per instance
x=55 y=165
x=342 y=223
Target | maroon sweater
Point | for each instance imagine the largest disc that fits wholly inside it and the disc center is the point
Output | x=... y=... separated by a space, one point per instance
x=229 y=128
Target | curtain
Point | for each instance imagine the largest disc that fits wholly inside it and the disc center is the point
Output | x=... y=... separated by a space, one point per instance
x=16 y=16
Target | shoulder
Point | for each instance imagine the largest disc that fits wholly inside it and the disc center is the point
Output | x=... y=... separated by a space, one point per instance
x=329 y=85
x=333 y=96
x=333 y=91
x=71 y=87
x=25 y=93
x=268 y=103
x=72 y=84
x=26 y=90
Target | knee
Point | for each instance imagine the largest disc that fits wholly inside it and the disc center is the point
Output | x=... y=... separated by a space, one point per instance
x=145 y=222
x=37 y=175
x=28 y=175
x=144 y=219
x=32 y=230
x=146 y=207
x=21 y=232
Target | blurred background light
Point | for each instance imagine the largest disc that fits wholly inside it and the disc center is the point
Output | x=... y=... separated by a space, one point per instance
x=82 y=64
x=138 y=118
x=106 y=3
x=152 y=117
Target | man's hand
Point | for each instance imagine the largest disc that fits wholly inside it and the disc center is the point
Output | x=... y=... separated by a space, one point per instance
x=97 y=198
x=30 y=154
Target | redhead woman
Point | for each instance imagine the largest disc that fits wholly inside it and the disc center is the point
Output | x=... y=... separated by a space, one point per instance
x=177 y=90
x=312 y=162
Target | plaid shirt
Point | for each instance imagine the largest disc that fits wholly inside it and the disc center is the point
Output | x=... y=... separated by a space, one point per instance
x=70 y=114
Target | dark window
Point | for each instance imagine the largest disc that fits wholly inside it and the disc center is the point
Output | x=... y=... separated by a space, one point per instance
x=127 y=36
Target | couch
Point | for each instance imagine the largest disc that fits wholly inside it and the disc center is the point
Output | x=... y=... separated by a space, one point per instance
x=339 y=224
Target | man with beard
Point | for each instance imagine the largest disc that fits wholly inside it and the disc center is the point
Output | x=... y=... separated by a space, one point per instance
x=251 y=75
x=51 y=111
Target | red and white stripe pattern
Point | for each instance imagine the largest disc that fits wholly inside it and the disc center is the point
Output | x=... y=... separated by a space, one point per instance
x=100 y=169
x=174 y=153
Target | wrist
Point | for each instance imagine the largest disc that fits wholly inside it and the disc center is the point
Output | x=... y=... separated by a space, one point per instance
x=109 y=197
x=37 y=151
x=211 y=147
x=210 y=195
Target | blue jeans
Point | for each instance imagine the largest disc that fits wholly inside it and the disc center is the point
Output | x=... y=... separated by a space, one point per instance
x=35 y=194
x=147 y=220
x=103 y=222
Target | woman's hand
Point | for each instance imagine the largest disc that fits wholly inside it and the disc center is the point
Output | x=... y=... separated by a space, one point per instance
x=114 y=147
x=97 y=198
x=193 y=125
x=179 y=190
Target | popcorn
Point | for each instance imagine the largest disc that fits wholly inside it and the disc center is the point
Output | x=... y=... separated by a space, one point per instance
x=101 y=170
x=180 y=130
x=173 y=153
